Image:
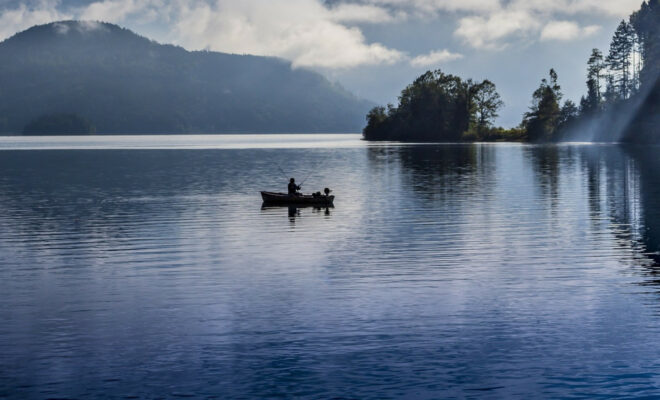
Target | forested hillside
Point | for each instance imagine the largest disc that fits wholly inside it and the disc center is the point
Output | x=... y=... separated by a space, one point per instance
x=124 y=83
x=622 y=100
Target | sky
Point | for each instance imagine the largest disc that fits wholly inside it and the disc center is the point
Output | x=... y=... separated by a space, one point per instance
x=373 y=48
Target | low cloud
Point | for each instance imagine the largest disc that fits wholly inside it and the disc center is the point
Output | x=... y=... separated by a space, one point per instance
x=494 y=24
x=490 y=32
x=566 y=30
x=363 y=13
x=435 y=57
x=307 y=32
x=303 y=31
x=26 y=15
x=615 y=8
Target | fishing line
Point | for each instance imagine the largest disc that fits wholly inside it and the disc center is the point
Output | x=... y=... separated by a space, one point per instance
x=314 y=170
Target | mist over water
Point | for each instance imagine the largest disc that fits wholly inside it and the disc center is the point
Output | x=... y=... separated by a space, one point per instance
x=442 y=271
x=612 y=125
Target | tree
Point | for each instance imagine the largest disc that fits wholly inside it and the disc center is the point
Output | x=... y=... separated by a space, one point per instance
x=375 y=121
x=611 y=95
x=542 y=120
x=618 y=59
x=567 y=115
x=436 y=107
x=595 y=66
x=487 y=103
x=591 y=103
x=646 y=23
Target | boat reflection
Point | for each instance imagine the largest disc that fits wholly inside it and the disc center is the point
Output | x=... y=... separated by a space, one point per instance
x=294 y=210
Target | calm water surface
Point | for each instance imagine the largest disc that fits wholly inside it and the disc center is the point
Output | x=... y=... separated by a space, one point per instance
x=452 y=271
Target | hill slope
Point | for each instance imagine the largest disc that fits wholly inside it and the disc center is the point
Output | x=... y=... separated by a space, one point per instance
x=125 y=83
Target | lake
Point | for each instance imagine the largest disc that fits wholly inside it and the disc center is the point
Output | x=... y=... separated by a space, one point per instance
x=146 y=267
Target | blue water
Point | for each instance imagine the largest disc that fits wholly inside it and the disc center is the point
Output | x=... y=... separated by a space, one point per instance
x=147 y=268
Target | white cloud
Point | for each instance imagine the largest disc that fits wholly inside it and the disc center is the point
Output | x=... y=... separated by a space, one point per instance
x=566 y=30
x=560 y=30
x=362 y=13
x=616 y=8
x=303 y=31
x=434 y=57
x=312 y=33
x=307 y=32
x=117 y=11
x=591 y=30
x=612 y=8
x=422 y=7
x=488 y=32
x=24 y=16
x=493 y=24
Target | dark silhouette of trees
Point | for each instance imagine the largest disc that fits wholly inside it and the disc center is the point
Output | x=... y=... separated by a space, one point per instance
x=436 y=107
x=595 y=66
x=542 y=120
x=623 y=89
x=619 y=58
x=568 y=115
x=487 y=103
x=646 y=22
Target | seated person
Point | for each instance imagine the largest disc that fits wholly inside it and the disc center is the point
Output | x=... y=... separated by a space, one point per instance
x=293 y=188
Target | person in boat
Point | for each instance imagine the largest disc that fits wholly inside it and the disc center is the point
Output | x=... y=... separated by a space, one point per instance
x=293 y=188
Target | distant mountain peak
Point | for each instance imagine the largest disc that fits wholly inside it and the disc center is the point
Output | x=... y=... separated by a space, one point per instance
x=73 y=29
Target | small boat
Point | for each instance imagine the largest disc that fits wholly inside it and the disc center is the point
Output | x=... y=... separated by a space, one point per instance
x=285 y=199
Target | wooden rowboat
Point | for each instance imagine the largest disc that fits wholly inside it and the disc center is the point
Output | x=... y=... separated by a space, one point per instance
x=285 y=199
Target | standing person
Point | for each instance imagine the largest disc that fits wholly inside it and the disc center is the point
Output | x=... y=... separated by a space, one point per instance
x=293 y=188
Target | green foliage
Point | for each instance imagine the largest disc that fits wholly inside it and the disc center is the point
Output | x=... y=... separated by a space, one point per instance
x=542 y=120
x=595 y=67
x=568 y=116
x=487 y=102
x=59 y=124
x=128 y=84
x=436 y=107
x=496 y=134
x=646 y=22
x=619 y=57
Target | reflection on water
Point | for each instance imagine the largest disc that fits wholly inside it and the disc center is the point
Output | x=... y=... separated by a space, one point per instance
x=294 y=211
x=442 y=271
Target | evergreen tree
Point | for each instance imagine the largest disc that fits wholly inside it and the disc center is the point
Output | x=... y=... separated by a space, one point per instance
x=611 y=95
x=542 y=121
x=591 y=103
x=646 y=23
x=595 y=66
x=567 y=115
x=618 y=59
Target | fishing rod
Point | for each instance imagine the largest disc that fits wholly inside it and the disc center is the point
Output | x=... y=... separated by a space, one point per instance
x=313 y=170
x=284 y=174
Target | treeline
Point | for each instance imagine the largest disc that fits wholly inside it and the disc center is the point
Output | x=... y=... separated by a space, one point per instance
x=622 y=100
x=439 y=107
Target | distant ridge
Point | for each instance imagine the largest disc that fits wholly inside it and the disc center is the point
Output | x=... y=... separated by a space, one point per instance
x=125 y=83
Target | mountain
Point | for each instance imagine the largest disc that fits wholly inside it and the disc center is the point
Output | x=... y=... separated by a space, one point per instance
x=125 y=83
